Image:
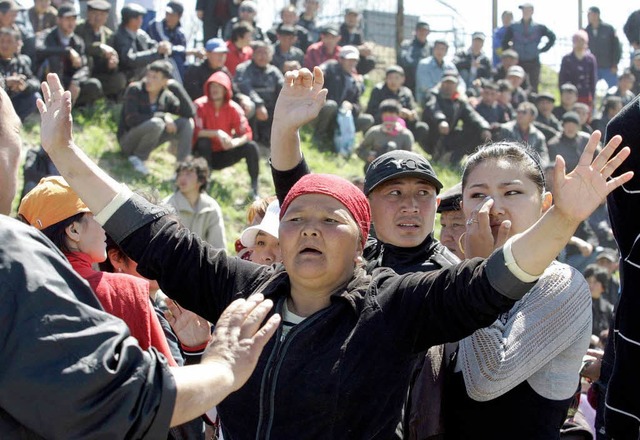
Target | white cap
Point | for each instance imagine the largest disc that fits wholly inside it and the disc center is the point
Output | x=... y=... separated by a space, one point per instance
x=269 y=224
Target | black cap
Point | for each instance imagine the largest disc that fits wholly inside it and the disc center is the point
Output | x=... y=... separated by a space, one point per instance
x=174 y=7
x=67 y=10
x=8 y=5
x=131 y=10
x=330 y=29
x=450 y=199
x=545 y=95
x=594 y=9
x=571 y=117
x=286 y=29
x=568 y=87
x=99 y=5
x=399 y=163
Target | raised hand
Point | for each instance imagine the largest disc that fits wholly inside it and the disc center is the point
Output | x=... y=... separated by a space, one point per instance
x=191 y=329
x=577 y=194
x=56 y=128
x=300 y=99
x=239 y=338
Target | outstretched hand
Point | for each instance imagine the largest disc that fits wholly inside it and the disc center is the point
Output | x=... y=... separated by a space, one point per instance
x=577 y=194
x=238 y=338
x=300 y=99
x=56 y=128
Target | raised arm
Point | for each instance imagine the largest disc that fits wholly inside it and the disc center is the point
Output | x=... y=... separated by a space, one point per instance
x=576 y=196
x=9 y=152
x=299 y=102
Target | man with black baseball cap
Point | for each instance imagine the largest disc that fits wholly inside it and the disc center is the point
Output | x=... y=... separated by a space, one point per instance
x=63 y=52
x=136 y=49
x=102 y=57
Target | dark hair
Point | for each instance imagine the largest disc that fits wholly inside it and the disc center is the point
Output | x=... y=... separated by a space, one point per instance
x=255 y=45
x=389 y=106
x=200 y=166
x=163 y=67
x=239 y=30
x=516 y=153
x=530 y=107
x=57 y=232
x=505 y=86
x=600 y=273
x=627 y=73
x=610 y=103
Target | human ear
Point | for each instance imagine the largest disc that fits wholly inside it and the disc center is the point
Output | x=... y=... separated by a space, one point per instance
x=547 y=201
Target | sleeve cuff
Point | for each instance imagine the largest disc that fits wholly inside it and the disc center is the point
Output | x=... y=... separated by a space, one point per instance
x=105 y=214
x=502 y=278
x=512 y=265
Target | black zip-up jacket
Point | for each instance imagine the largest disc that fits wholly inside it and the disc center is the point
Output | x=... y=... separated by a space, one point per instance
x=341 y=373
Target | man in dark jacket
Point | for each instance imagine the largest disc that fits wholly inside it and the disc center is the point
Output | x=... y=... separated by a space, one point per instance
x=455 y=128
x=473 y=63
x=352 y=34
x=393 y=88
x=412 y=51
x=604 y=45
x=284 y=48
x=571 y=142
x=523 y=130
x=102 y=57
x=546 y=121
x=247 y=12
x=148 y=116
x=344 y=93
x=632 y=29
x=63 y=52
x=261 y=81
x=214 y=15
x=136 y=49
x=525 y=35
x=15 y=69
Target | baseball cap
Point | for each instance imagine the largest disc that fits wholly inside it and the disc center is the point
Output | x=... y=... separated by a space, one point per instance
x=269 y=224
x=286 y=29
x=568 y=87
x=132 y=10
x=394 y=69
x=478 y=36
x=330 y=29
x=509 y=53
x=516 y=71
x=545 y=95
x=249 y=6
x=609 y=254
x=450 y=77
x=450 y=199
x=571 y=117
x=351 y=11
x=216 y=45
x=49 y=202
x=594 y=9
x=399 y=163
x=526 y=5
x=349 y=53
x=67 y=10
x=174 y=7
x=99 y=5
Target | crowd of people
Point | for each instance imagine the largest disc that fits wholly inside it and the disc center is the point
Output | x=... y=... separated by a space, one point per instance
x=512 y=308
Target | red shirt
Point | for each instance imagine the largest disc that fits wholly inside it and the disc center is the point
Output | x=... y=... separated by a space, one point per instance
x=317 y=54
x=126 y=297
x=236 y=56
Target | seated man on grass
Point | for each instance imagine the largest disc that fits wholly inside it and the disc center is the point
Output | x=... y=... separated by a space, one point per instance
x=148 y=116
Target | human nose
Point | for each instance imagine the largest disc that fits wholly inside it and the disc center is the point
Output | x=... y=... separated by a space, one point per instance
x=409 y=204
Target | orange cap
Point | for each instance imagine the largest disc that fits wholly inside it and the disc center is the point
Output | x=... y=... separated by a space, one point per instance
x=49 y=202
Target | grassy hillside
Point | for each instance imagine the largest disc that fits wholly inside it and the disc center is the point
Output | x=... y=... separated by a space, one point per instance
x=95 y=132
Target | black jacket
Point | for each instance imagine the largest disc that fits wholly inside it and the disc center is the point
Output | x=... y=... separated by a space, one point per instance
x=53 y=57
x=604 y=45
x=341 y=373
x=381 y=92
x=135 y=52
x=342 y=86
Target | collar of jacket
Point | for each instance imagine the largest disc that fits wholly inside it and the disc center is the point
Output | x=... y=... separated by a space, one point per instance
x=275 y=284
x=401 y=258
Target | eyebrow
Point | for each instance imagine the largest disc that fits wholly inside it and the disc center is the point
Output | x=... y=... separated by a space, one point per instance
x=500 y=185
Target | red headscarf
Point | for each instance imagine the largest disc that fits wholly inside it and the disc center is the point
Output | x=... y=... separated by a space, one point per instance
x=340 y=189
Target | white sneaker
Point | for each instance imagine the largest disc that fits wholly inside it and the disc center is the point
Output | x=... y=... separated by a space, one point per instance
x=138 y=165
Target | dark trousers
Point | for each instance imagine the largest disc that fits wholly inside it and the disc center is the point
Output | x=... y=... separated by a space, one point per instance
x=532 y=67
x=222 y=159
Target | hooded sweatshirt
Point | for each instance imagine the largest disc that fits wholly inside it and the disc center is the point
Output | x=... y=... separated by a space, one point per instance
x=229 y=117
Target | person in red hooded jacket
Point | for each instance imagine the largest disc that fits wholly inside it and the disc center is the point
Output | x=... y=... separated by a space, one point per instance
x=222 y=134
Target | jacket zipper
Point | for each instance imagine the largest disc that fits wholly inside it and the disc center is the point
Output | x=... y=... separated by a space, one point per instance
x=270 y=375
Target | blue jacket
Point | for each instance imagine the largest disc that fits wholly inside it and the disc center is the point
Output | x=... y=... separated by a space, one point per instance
x=526 y=39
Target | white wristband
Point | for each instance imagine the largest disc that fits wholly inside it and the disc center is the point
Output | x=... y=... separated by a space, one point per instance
x=105 y=214
x=512 y=265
